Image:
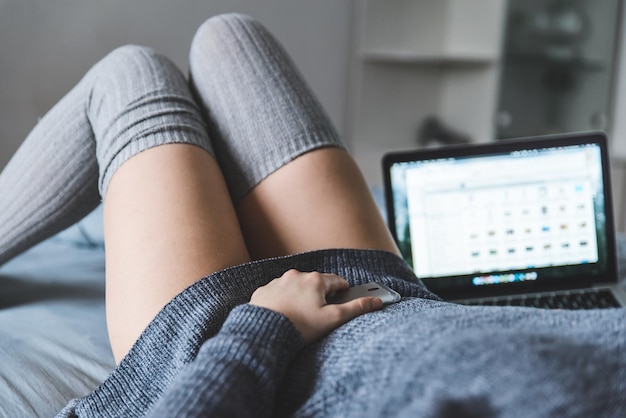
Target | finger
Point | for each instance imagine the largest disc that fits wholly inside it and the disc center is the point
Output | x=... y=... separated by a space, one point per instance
x=350 y=310
x=333 y=282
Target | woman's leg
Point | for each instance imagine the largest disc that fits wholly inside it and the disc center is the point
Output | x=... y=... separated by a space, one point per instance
x=168 y=218
x=51 y=181
x=319 y=200
x=294 y=186
x=168 y=221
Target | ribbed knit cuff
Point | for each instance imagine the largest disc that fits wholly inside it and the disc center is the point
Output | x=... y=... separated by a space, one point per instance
x=191 y=135
x=270 y=341
x=237 y=372
x=263 y=326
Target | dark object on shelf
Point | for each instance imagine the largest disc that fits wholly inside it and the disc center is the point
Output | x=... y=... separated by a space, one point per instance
x=434 y=132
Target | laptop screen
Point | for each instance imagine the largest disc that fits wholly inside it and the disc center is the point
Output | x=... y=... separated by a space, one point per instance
x=480 y=220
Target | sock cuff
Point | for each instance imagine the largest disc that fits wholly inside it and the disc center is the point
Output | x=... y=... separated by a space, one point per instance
x=143 y=142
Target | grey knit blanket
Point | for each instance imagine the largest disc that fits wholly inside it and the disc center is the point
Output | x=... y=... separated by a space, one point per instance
x=209 y=354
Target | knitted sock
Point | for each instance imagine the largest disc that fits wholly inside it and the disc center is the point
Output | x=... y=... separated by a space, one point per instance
x=261 y=114
x=130 y=101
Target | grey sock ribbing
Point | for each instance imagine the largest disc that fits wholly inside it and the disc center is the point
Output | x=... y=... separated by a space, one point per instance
x=260 y=110
x=261 y=114
x=130 y=101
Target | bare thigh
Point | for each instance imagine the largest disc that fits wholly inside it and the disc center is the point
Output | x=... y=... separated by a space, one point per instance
x=169 y=221
x=319 y=200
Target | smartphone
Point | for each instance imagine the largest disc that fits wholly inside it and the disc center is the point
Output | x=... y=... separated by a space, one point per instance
x=378 y=290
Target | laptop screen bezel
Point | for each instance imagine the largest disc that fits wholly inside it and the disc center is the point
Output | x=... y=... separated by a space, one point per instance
x=610 y=276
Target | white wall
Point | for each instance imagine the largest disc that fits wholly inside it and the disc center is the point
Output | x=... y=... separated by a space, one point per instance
x=47 y=45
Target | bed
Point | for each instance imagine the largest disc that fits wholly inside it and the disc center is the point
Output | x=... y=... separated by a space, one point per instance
x=53 y=340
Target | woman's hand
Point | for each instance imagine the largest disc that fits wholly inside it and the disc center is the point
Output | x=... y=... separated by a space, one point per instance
x=301 y=297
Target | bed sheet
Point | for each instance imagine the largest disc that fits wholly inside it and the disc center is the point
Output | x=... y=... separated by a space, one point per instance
x=53 y=340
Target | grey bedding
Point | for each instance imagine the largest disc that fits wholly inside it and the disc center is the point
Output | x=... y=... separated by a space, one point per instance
x=53 y=340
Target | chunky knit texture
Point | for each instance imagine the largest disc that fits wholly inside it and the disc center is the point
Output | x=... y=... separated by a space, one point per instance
x=419 y=357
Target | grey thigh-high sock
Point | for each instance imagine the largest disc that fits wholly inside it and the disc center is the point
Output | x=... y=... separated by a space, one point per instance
x=131 y=100
x=260 y=112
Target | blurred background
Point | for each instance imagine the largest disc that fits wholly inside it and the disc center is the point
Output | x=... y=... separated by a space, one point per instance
x=392 y=74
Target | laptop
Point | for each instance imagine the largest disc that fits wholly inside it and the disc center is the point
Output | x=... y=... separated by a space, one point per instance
x=513 y=222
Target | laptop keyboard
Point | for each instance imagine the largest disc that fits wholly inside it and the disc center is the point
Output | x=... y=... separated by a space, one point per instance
x=593 y=299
